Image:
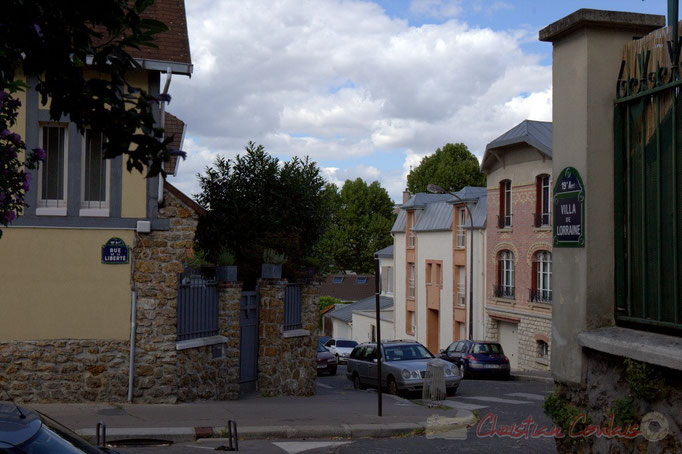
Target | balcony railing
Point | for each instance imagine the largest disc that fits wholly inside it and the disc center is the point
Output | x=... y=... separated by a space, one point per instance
x=542 y=220
x=504 y=221
x=503 y=291
x=539 y=296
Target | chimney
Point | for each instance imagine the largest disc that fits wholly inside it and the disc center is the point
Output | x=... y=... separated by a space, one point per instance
x=406 y=196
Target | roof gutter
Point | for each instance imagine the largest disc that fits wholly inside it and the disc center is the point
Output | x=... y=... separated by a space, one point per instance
x=185 y=69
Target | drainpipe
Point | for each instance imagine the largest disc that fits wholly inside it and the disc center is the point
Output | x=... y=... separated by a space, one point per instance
x=131 y=359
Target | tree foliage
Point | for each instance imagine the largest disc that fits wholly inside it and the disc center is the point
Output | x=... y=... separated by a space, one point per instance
x=451 y=167
x=77 y=53
x=254 y=203
x=360 y=225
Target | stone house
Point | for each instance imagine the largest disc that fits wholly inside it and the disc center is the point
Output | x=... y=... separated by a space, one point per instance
x=518 y=307
x=432 y=258
x=616 y=335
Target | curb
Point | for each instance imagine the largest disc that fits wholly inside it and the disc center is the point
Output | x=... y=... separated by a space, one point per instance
x=184 y=434
x=531 y=377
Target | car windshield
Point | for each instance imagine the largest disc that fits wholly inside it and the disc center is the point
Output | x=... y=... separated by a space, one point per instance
x=346 y=344
x=406 y=352
x=487 y=348
x=321 y=348
x=53 y=438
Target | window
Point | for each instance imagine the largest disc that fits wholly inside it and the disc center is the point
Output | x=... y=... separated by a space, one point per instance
x=52 y=173
x=361 y=280
x=543 y=203
x=429 y=273
x=459 y=347
x=461 y=221
x=505 y=218
x=505 y=278
x=461 y=286
x=543 y=349
x=337 y=279
x=94 y=176
x=412 y=220
x=387 y=279
x=410 y=280
x=542 y=272
x=439 y=274
x=410 y=322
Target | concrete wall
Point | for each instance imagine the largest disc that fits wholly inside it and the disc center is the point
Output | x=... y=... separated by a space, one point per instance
x=399 y=298
x=341 y=329
x=363 y=322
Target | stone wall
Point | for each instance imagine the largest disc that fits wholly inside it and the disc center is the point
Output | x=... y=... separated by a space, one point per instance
x=286 y=365
x=529 y=330
x=212 y=372
x=629 y=390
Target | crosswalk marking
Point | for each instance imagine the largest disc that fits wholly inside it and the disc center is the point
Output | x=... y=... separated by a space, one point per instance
x=294 y=447
x=527 y=396
x=325 y=386
x=497 y=400
x=462 y=405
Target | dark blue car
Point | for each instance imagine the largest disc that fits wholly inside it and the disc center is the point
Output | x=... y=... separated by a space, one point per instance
x=477 y=358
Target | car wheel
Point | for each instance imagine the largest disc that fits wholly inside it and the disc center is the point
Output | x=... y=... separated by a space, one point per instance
x=392 y=386
x=357 y=384
x=461 y=371
x=332 y=370
x=452 y=390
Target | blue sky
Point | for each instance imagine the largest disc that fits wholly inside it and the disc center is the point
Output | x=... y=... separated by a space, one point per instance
x=366 y=89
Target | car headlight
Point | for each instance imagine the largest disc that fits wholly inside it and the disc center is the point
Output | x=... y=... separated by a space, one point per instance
x=405 y=373
x=415 y=374
x=447 y=372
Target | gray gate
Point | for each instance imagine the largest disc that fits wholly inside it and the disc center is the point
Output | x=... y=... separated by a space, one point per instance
x=248 y=340
x=197 y=311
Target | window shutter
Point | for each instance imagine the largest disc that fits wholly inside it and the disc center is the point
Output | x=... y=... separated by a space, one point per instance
x=499 y=271
x=502 y=199
x=538 y=200
x=534 y=274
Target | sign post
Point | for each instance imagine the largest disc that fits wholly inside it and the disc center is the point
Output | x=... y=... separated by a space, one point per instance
x=377 y=286
x=569 y=209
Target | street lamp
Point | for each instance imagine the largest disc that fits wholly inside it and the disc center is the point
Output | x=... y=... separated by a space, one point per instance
x=435 y=189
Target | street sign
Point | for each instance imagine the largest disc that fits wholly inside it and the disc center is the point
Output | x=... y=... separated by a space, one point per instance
x=115 y=252
x=569 y=209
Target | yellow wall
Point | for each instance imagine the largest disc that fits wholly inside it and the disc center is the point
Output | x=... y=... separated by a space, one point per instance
x=53 y=285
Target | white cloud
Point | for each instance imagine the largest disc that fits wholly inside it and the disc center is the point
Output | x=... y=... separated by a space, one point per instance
x=337 y=79
x=339 y=176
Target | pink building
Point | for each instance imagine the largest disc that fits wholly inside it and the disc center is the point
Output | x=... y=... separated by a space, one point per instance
x=518 y=306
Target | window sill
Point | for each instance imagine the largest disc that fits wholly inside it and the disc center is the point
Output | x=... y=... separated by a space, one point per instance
x=652 y=348
x=51 y=211
x=540 y=304
x=94 y=212
x=508 y=301
x=200 y=342
x=505 y=229
x=544 y=228
x=295 y=333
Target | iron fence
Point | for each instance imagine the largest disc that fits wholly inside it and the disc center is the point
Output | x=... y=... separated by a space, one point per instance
x=503 y=291
x=292 y=307
x=539 y=296
x=197 y=307
x=504 y=221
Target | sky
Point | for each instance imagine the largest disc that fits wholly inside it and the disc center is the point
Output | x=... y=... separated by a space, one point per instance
x=364 y=88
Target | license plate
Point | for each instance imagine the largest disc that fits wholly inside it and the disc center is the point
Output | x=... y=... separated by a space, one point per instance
x=321 y=366
x=488 y=366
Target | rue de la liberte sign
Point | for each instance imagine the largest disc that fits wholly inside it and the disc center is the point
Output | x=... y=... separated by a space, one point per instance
x=569 y=209
x=115 y=251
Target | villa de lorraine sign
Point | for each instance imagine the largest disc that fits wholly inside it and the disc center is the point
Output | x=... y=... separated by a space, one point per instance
x=569 y=209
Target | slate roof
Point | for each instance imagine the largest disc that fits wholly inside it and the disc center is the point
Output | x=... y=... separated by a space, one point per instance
x=386 y=252
x=537 y=134
x=420 y=199
x=348 y=290
x=436 y=214
x=345 y=312
x=176 y=128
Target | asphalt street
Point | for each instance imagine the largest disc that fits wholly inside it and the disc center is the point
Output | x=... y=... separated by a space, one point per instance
x=496 y=403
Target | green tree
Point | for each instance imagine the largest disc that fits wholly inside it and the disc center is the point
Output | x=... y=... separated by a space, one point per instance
x=451 y=167
x=254 y=203
x=360 y=225
x=57 y=42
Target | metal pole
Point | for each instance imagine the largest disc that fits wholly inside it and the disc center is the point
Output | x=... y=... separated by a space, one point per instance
x=377 y=286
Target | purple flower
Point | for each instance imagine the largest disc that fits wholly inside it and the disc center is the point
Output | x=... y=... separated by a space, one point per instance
x=15 y=139
x=10 y=215
x=27 y=182
x=2 y=196
x=39 y=154
x=4 y=133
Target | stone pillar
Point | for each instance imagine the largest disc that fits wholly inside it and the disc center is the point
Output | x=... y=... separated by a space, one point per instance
x=229 y=298
x=286 y=360
x=587 y=53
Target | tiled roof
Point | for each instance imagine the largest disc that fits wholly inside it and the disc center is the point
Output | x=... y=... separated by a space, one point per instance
x=348 y=289
x=176 y=128
x=386 y=252
x=537 y=134
x=184 y=198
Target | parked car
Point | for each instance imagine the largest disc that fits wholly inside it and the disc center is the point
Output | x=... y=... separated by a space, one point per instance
x=474 y=358
x=323 y=339
x=341 y=348
x=28 y=431
x=403 y=367
x=326 y=360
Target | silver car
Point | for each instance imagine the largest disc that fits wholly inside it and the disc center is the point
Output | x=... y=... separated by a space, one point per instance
x=403 y=367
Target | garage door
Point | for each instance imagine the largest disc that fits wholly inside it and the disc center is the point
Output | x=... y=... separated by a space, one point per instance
x=509 y=338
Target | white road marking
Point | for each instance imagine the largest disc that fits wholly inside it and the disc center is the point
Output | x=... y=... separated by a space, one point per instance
x=293 y=447
x=324 y=386
x=527 y=396
x=497 y=400
x=462 y=405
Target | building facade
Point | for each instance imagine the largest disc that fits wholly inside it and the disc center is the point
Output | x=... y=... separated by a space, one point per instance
x=518 y=307
x=432 y=258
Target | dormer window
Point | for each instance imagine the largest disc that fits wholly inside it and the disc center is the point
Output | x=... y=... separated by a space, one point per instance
x=52 y=173
x=337 y=279
x=361 y=280
x=94 y=176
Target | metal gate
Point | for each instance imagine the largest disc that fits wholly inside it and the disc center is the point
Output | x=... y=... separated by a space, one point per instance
x=197 y=310
x=248 y=339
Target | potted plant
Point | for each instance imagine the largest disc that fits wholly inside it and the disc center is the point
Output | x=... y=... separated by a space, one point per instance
x=196 y=263
x=225 y=270
x=272 y=264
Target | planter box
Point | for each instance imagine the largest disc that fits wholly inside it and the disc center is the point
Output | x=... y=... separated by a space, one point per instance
x=226 y=273
x=271 y=271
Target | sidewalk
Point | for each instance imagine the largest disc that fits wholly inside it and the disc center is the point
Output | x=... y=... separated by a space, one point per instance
x=349 y=414
x=532 y=375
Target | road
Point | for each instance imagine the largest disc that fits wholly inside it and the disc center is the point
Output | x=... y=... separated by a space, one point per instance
x=507 y=402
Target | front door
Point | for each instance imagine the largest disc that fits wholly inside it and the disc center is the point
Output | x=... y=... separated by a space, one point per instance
x=509 y=339
x=432 y=330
